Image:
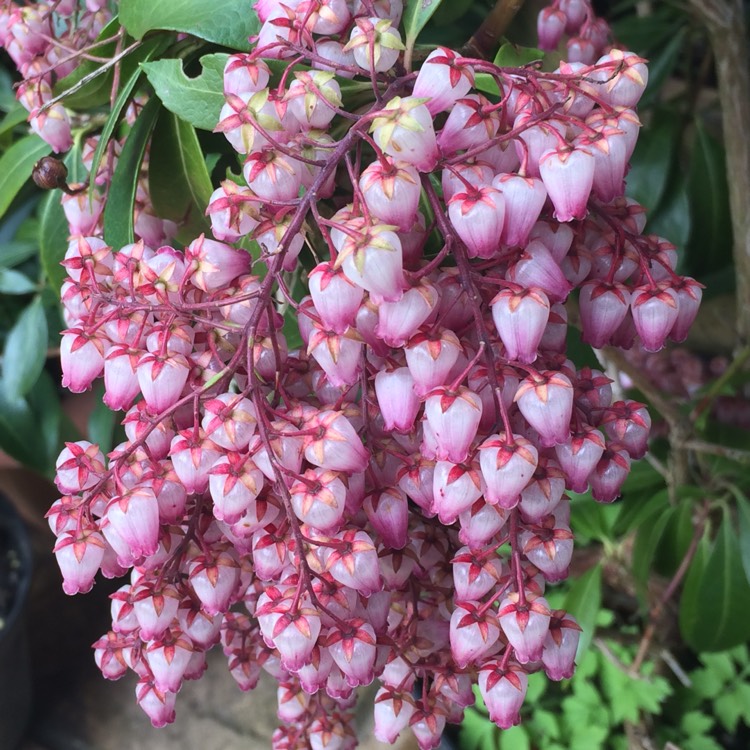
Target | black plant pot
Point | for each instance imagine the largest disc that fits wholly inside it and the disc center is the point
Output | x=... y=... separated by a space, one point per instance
x=15 y=672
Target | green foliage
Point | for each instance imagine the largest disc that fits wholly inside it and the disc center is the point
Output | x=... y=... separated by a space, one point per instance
x=715 y=609
x=25 y=351
x=230 y=24
x=196 y=100
x=118 y=213
x=416 y=15
x=179 y=183
x=588 y=711
x=583 y=601
x=16 y=165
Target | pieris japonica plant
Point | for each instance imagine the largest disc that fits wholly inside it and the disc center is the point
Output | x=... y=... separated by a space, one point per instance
x=365 y=480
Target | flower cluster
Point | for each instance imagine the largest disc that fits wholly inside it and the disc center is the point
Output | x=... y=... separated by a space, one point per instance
x=44 y=40
x=368 y=482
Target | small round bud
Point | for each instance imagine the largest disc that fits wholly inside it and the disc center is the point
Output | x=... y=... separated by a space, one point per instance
x=50 y=173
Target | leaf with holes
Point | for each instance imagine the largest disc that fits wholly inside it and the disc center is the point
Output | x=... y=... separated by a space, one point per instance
x=197 y=100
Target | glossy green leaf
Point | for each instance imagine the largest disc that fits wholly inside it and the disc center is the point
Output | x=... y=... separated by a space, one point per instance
x=16 y=251
x=743 y=512
x=102 y=422
x=715 y=605
x=416 y=15
x=652 y=159
x=16 y=166
x=118 y=213
x=677 y=535
x=636 y=509
x=486 y=83
x=672 y=216
x=7 y=100
x=583 y=601
x=14 y=282
x=662 y=64
x=16 y=116
x=179 y=183
x=123 y=97
x=646 y=542
x=53 y=240
x=229 y=23
x=196 y=100
x=710 y=244
x=19 y=435
x=44 y=402
x=25 y=351
x=515 y=56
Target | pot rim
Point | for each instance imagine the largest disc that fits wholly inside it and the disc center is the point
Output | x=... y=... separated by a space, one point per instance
x=11 y=520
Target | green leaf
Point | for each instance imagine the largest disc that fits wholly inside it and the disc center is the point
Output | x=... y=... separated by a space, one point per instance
x=121 y=102
x=635 y=511
x=547 y=724
x=652 y=160
x=710 y=244
x=629 y=695
x=515 y=738
x=696 y=723
x=179 y=183
x=583 y=601
x=118 y=213
x=715 y=610
x=102 y=422
x=16 y=116
x=229 y=23
x=416 y=16
x=678 y=533
x=53 y=239
x=477 y=731
x=729 y=708
x=592 y=519
x=486 y=83
x=19 y=435
x=25 y=351
x=14 y=282
x=45 y=404
x=662 y=64
x=16 y=166
x=646 y=542
x=514 y=56
x=16 y=251
x=743 y=512
x=721 y=665
x=196 y=100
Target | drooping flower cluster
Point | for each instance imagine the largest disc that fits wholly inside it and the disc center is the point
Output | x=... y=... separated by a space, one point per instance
x=383 y=496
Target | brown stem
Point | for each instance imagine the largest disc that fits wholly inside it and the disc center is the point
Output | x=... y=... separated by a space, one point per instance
x=648 y=635
x=483 y=43
x=727 y=30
